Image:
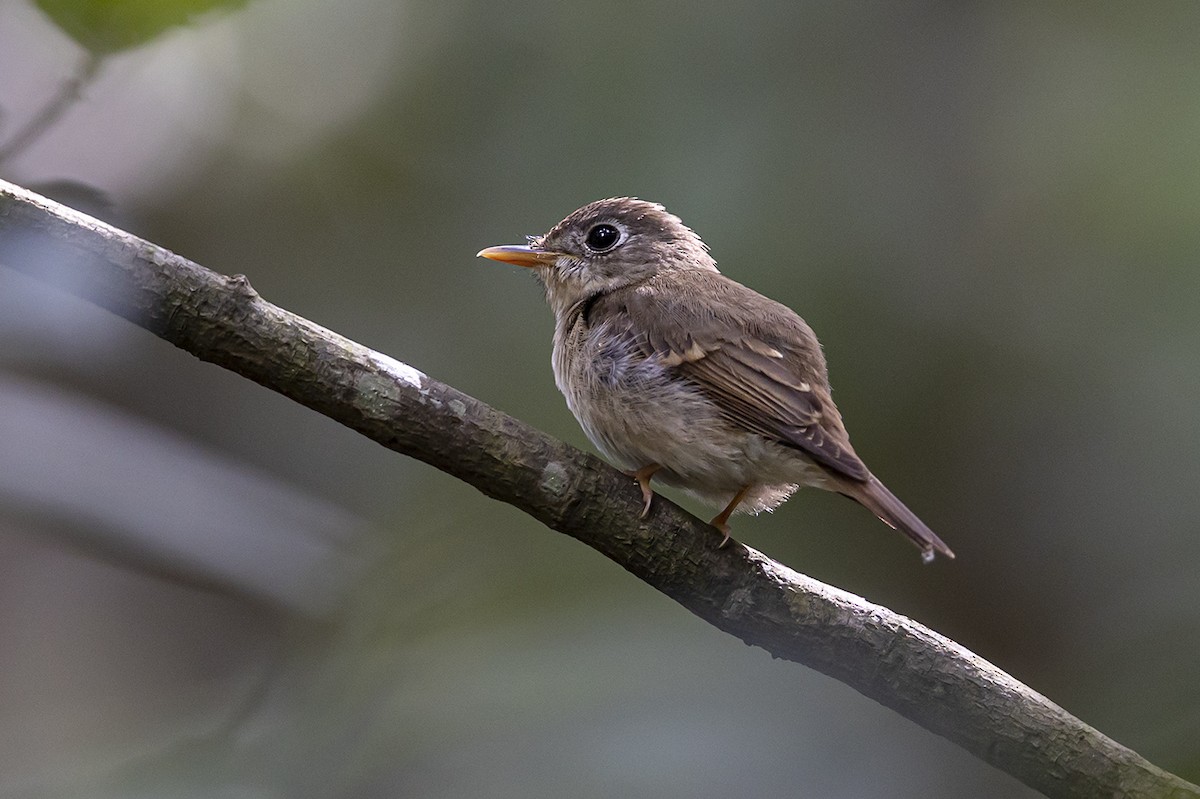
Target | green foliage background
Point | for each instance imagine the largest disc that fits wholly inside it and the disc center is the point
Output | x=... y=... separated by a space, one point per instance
x=986 y=210
x=107 y=26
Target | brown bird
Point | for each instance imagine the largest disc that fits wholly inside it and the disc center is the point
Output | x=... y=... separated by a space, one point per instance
x=679 y=374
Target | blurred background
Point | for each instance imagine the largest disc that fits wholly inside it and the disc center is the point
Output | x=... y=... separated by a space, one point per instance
x=988 y=212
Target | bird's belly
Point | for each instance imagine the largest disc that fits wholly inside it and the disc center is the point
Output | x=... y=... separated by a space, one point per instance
x=636 y=414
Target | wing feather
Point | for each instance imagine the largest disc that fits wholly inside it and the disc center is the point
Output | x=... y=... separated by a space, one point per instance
x=756 y=359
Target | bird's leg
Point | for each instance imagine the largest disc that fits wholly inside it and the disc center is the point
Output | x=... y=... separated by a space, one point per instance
x=721 y=520
x=643 y=476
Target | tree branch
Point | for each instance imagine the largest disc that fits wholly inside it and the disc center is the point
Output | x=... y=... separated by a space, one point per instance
x=888 y=657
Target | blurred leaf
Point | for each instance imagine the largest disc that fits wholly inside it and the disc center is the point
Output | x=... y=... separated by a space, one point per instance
x=106 y=26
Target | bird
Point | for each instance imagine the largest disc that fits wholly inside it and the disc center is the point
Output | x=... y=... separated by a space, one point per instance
x=681 y=375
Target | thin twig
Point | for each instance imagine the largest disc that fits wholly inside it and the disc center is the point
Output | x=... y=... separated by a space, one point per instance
x=892 y=659
x=70 y=91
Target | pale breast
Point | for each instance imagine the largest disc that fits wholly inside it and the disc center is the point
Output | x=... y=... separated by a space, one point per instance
x=636 y=413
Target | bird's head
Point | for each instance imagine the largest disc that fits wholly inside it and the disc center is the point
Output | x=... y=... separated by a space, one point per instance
x=607 y=245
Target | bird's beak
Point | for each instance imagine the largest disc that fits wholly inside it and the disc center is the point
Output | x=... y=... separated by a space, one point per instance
x=519 y=254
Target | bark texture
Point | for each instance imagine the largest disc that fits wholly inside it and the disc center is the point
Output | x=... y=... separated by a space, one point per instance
x=888 y=657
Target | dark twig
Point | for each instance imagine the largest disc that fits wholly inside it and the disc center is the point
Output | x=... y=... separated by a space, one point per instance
x=70 y=91
x=890 y=658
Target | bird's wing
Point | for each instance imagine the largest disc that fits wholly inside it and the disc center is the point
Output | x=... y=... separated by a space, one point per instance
x=756 y=359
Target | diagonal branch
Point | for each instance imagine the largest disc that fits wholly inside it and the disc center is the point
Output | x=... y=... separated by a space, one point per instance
x=888 y=657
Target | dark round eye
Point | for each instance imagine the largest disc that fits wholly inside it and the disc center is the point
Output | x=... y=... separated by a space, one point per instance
x=602 y=237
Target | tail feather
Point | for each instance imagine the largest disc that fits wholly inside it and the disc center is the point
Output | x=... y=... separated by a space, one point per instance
x=875 y=497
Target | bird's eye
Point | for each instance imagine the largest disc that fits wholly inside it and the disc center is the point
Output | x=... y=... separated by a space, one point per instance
x=602 y=237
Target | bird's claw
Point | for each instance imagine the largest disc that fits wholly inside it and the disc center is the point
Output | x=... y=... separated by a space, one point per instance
x=642 y=476
x=721 y=520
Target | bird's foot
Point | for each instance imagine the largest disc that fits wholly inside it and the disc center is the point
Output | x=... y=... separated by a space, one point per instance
x=723 y=529
x=642 y=476
x=721 y=520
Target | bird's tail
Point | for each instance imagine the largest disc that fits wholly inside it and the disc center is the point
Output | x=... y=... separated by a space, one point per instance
x=875 y=497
